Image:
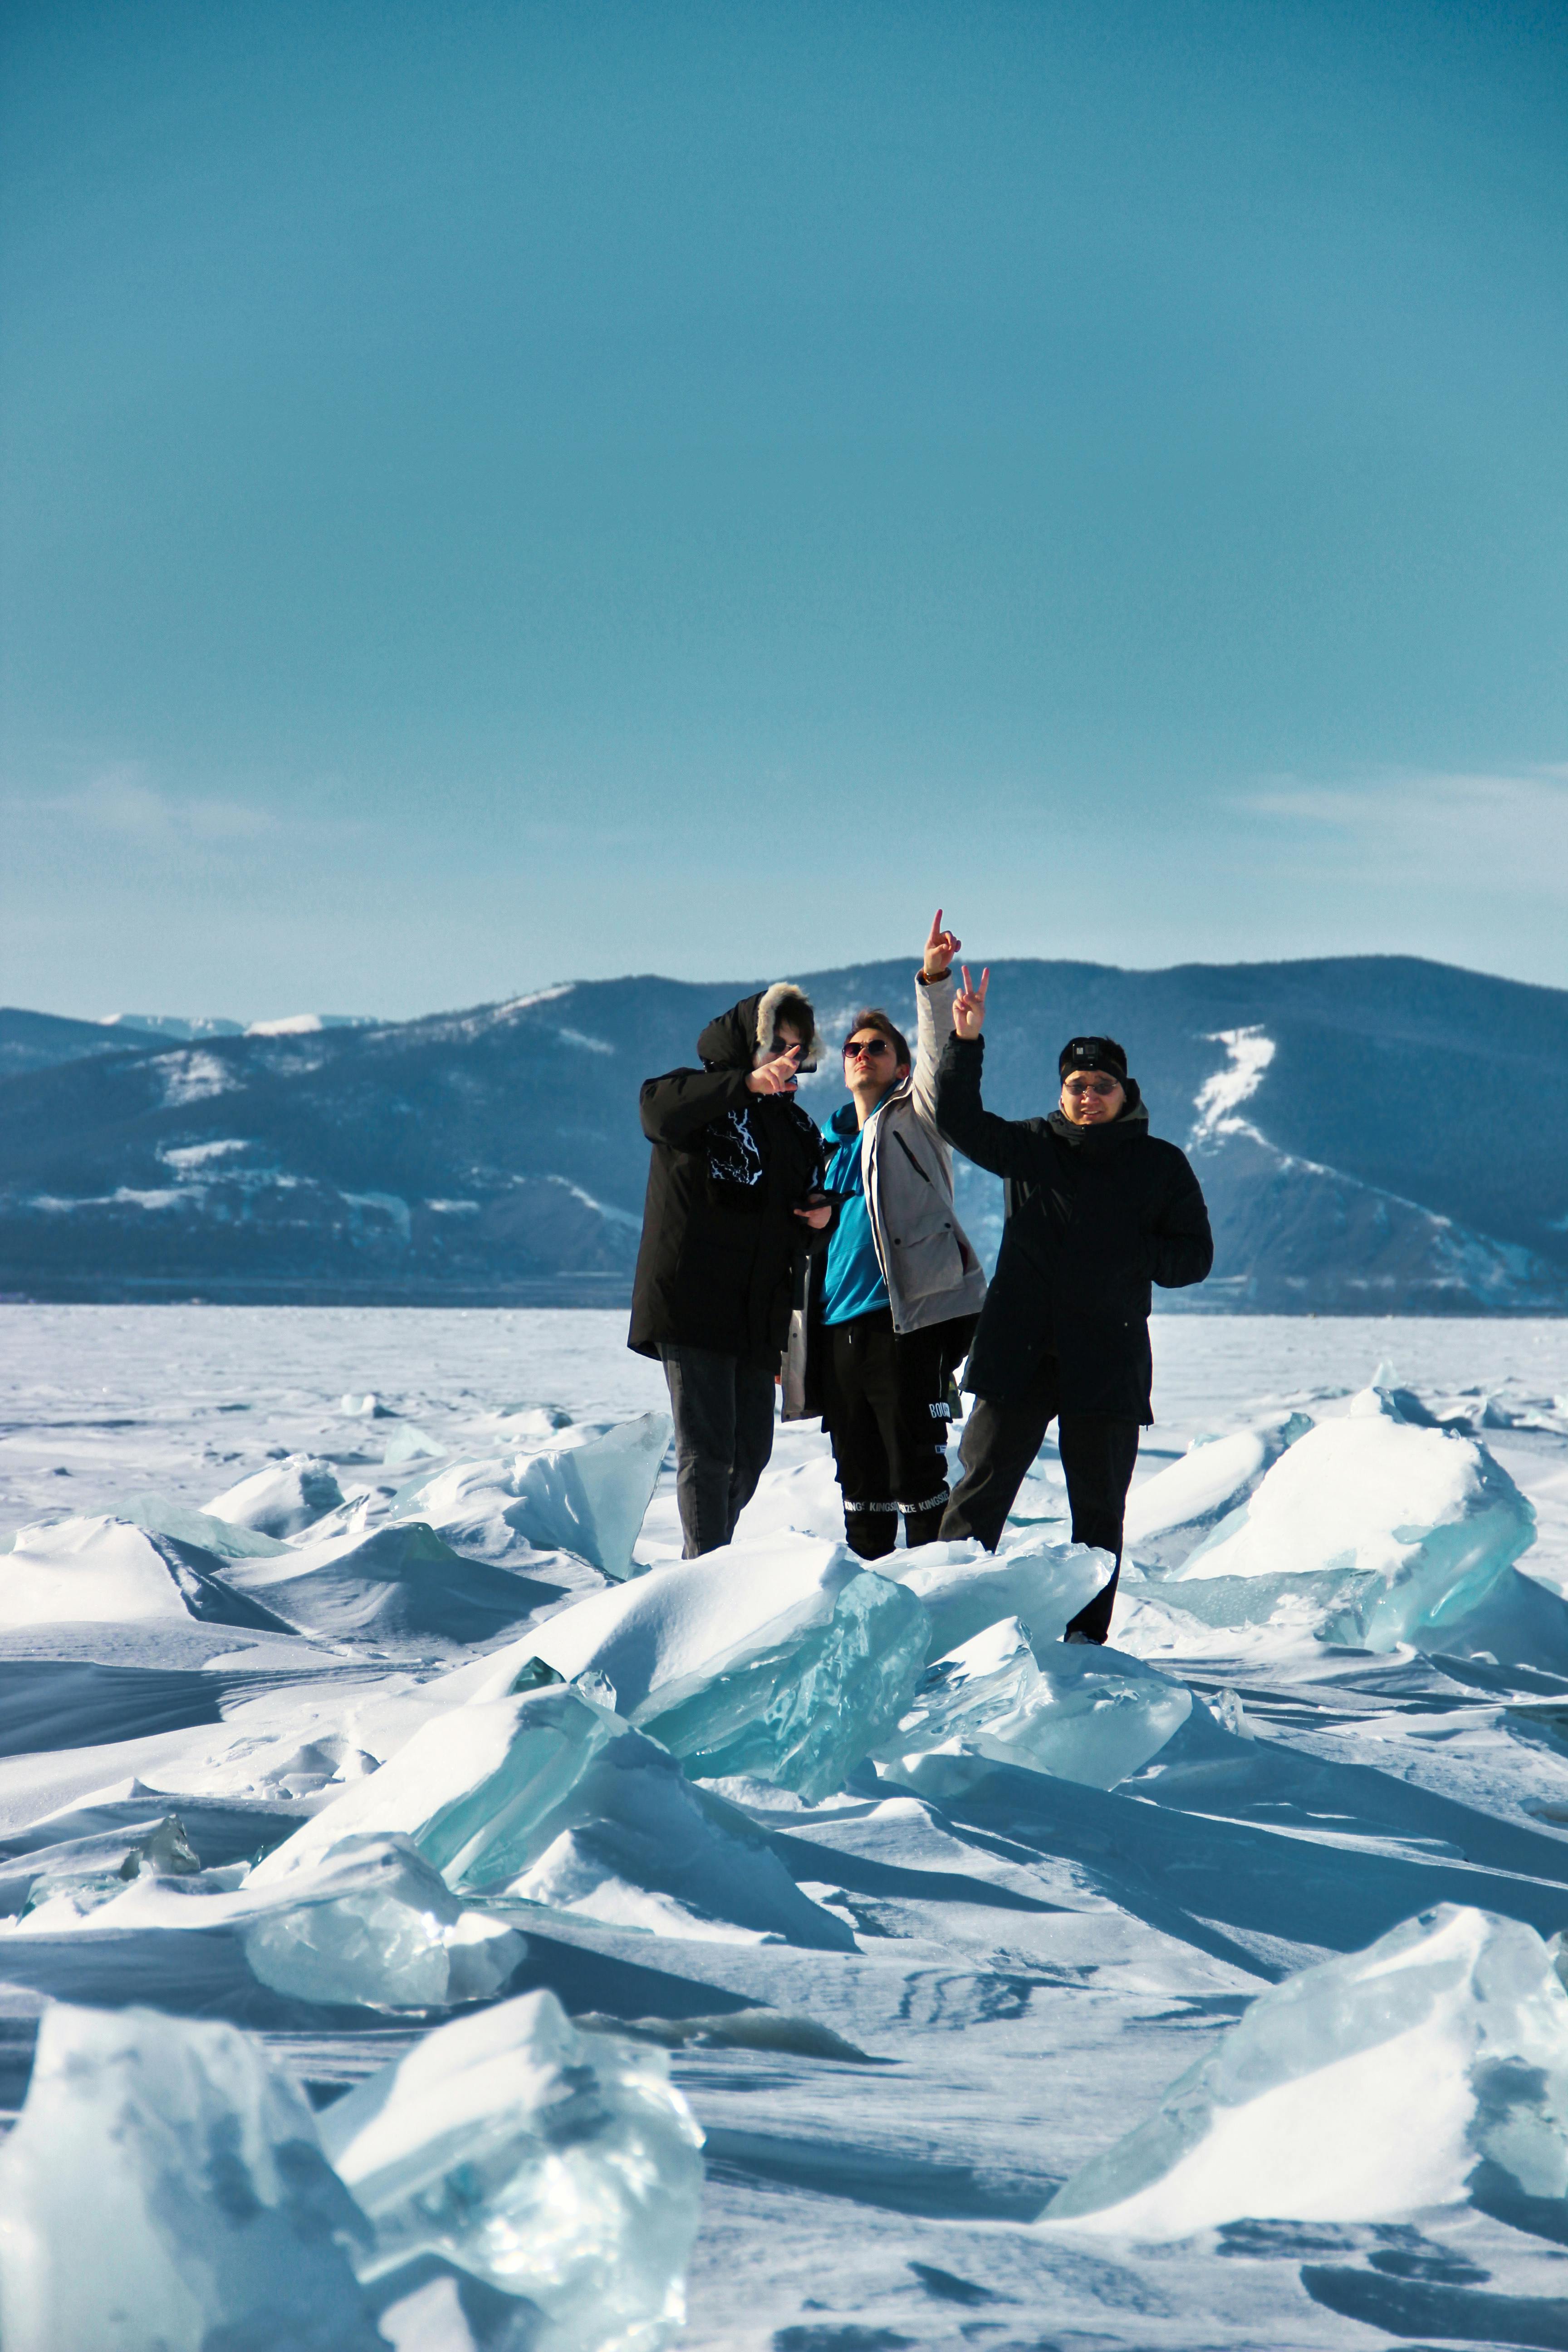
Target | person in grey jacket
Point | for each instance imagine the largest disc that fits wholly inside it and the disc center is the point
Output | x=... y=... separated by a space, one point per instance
x=889 y=1307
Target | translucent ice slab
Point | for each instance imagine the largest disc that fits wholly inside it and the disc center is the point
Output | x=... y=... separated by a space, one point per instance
x=963 y=1587
x=400 y=1583
x=165 y=2188
x=562 y=2166
x=372 y=1924
x=1083 y=1713
x=106 y=1571
x=489 y=1790
x=1366 y=2087
x=379 y=1928
x=1173 y=1511
x=785 y=1660
x=158 y=1515
x=1425 y=1516
x=281 y=1499
x=588 y=1494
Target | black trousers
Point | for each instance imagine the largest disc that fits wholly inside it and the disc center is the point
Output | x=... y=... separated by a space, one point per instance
x=884 y=1408
x=723 y=1413
x=1098 y=1450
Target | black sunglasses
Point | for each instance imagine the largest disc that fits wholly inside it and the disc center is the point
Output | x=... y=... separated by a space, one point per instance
x=1091 y=1086
x=867 y=1045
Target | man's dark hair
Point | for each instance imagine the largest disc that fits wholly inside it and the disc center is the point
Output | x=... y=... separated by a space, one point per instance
x=874 y=1018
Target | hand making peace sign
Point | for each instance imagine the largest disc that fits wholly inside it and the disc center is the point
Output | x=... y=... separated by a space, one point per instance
x=969 y=1004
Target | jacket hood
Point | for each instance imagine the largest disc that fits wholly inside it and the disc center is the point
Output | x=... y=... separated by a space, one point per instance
x=737 y=1040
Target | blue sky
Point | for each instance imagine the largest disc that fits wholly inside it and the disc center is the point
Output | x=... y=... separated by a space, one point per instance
x=498 y=493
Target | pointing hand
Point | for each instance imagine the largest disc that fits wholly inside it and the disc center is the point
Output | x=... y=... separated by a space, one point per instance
x=969 y=1004
x=777 y=1077
x=940 y=949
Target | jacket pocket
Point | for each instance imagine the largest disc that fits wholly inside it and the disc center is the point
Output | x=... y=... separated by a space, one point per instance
x=922 y=1264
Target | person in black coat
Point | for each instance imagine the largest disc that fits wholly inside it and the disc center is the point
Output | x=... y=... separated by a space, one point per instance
x=1098 y=1209
x=736 y=1162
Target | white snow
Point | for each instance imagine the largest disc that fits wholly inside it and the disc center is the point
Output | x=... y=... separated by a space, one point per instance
x=194 y=1077
x=1248 y=1052
x=907 y=2002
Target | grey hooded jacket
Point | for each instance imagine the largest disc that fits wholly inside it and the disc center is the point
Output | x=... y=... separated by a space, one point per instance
x=932 y=1269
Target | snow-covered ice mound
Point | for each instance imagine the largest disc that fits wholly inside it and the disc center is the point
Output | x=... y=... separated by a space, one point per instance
x=786 y=1661
x=282 y=1499
x=561 y=2167
x=165 y=2187
x=397 y=1583
x=1365 y=2087
x=104 y=1570
x=550 y=1799
x=963 y=1588
x=1171 y=1513
x=588 y=1494
x=1416 y=1523
x=1082 y=1713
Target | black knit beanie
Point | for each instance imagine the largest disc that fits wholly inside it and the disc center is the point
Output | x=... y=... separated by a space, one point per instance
x=1093 y=1053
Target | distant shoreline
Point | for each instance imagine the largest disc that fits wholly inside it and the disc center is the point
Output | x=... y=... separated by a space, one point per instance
x=614 y=1291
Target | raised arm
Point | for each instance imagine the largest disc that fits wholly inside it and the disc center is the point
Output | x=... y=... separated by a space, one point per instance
x=1008 y=1146
x=674 y=1107
x=1181 y=1241
x=935 y=989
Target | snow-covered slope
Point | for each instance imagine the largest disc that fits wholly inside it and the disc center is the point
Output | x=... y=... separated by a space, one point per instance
x=1332 y=1107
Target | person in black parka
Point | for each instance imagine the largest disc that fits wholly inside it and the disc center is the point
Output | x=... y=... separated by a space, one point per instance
x=729 y=1211
x=1098 y=1208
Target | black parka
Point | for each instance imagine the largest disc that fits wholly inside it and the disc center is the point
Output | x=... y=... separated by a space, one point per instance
x=1094 y=1215
x=719 y=1238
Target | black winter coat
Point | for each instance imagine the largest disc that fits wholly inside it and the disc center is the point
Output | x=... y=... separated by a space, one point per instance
x=1094 y=1215
x=719 y=1238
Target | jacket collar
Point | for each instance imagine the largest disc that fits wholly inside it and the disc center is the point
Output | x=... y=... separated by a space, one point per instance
x=1133 y=1121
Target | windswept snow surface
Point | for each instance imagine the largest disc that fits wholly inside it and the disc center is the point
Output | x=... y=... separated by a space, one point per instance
x=906 y=2012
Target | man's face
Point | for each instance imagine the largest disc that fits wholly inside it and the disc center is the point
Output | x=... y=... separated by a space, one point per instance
x=869 y=1066
x=1091 y=1097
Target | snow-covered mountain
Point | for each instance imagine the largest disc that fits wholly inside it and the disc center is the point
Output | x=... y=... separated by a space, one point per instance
x=1373 y=1133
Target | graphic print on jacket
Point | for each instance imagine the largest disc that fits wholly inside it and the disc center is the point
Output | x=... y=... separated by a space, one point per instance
x=734 y=1156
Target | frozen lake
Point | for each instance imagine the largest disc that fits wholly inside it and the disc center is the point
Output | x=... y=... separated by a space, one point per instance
x=1029 y=1969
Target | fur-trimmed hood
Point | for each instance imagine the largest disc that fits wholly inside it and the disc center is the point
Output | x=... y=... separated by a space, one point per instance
x=742 y=1038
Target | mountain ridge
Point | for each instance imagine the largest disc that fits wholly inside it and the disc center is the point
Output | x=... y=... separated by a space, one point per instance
x=492 y=1152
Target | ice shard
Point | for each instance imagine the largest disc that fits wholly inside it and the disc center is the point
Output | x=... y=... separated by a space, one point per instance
x=412 y=1444
x=1174 y=1511
x=1415 y=1523
x=561 y=2167
x=1366 y=2087
x=1082 y=1713
x=785 y=1660
x=282 y=1499
x=377 y=1926
x=370 y=1925
x=588 y=1494
x=397 y=1583
x=101 y=1569
x=164 y=2190
x=160 y=1515
x=517 y=1795
x=963 y=1588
